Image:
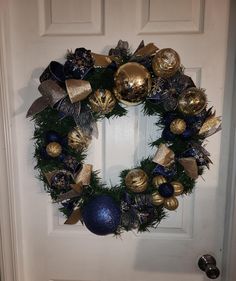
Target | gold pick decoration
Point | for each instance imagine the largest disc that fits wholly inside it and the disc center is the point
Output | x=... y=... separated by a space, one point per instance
x=164 y=155
x=78 y=90
x=190 y=166
x=74 y=217
x=84 y=176
x=211 y=125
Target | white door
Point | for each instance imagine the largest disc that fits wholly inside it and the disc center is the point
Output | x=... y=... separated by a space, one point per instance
x=41 y=31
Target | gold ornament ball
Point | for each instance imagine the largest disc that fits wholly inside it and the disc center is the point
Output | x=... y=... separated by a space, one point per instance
x=192 y=101
x=158 y=180
x=132 y=83
x=53 y=149
x=177 y=126
x=78 y=140
x=157 y=199
x=102 y=101
x=166 y=63
x=136 y=180
x=171 y=203
x=178 y=188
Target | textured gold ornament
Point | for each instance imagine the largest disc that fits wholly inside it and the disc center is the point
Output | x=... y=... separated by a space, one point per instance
x=164 y=155
x=136 y=180
x=192 y=101
x=178 y=188
x=158 y=180
x=171 y=203
x=78 y=140
x=157 y=199
x=102 y=101
x=177 y=126
x=54 y=149
x=132 y=83
x=166 y=63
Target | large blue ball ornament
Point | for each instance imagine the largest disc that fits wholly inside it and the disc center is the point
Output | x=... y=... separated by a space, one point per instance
x=101 y=215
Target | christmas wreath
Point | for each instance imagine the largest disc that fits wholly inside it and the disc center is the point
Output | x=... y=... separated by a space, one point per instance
x=89 y=87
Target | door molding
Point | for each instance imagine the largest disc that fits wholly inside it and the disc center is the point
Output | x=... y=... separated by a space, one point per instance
x=229 y=245
x=8 y=229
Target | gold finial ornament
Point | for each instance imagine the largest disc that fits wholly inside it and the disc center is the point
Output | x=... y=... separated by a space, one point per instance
x=158 y=180
x=166 y=63
x=192 y=101
x=171 y=203
x=132 y=83
x=136 y=180
x=177 y=126
x=157 y=199
x=78 y=140
x=178 y=188
x=102 y=101
x=53 y=149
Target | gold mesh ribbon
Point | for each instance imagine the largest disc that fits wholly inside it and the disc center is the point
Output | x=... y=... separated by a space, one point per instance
x=164 y=155
x=148 y=50
x=101 y=60
x=190 y=166
x=78 y=90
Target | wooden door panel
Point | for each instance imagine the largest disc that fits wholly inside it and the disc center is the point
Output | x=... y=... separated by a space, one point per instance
x=42 y=31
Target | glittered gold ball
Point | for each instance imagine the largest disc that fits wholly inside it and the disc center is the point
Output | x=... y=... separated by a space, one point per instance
x=102 y=101
x=158 y=180
x=53 y=149
x=136 y=180
x=78 y=140
x=177 y=126
x=192 y=101
x=157 y=199
x=132 y=83
x=171 y=203
x=178 y=188
x=166 y=63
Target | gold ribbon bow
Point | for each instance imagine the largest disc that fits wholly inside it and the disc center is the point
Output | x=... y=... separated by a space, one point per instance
x=52 y=93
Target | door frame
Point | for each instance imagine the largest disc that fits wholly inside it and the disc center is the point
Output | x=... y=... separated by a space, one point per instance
x=8 y=227
x=10 y=252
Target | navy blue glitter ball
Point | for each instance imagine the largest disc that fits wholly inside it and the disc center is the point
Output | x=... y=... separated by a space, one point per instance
x=101 y=215
x=166 y=190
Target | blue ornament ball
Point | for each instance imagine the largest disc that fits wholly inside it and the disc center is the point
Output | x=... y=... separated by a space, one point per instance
x=167 y=135
x=188 y=133
x=166 y=190
x=52 y=136
x=101 y=215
